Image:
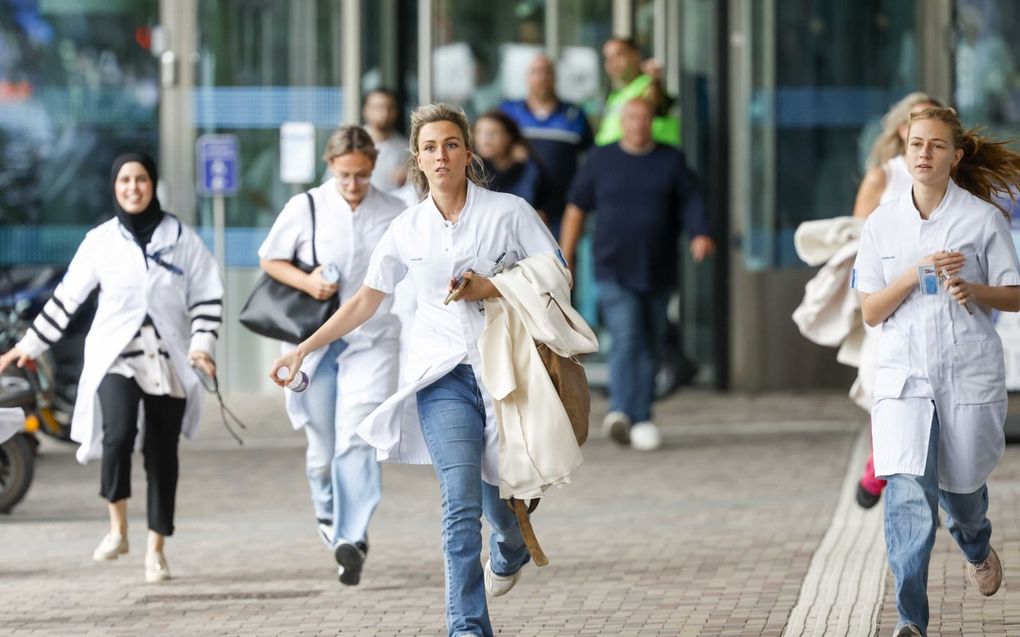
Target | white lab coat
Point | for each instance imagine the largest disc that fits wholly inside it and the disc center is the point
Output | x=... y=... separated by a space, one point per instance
x=537 y=446
x=345 y=238
x=932 y=354
x=131 y=287
x=420 y=242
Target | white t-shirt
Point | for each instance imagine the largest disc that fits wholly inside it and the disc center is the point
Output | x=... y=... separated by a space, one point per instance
x=393 y=154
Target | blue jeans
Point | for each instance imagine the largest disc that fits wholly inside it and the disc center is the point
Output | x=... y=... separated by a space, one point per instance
x=453 y=421
x=911 y=517
x=345 y=479
x=637 y=324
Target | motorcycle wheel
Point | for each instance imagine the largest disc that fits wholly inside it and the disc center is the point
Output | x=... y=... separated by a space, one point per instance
x=16 y=469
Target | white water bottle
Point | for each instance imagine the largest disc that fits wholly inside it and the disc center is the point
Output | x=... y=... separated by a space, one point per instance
x=300 y=382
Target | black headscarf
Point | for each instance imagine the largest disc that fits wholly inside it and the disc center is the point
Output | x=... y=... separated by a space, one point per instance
x=143 y=224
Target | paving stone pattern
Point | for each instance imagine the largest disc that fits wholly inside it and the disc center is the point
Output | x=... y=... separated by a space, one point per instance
x=712 y=535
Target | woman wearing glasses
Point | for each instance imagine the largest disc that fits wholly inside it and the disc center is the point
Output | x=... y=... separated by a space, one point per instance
x=349 y=378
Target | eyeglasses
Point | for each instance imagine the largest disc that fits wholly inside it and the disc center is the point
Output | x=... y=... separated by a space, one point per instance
x=360 y=179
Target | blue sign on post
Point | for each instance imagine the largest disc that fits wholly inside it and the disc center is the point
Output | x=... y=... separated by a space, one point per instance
x=218 y=164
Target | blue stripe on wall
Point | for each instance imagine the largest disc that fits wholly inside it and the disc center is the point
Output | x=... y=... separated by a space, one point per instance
x=267 y=106
x=34 y=245
x=821 y=107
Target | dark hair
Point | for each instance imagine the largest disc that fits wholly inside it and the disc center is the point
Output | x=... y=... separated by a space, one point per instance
x=988 y=169
x=508 y=124
x=349 y=139
x=380 y=91
x=626 y=40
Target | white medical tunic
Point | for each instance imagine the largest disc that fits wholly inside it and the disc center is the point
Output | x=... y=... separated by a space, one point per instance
x=420 y=242
x=346 y=238
x=932 y=354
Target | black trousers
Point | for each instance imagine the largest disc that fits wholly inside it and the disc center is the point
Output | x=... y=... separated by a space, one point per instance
x=119 y=397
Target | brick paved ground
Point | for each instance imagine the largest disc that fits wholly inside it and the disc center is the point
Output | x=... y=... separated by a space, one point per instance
x=711 y=535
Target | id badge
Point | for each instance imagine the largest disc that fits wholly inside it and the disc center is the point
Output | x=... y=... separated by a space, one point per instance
x=928 y=279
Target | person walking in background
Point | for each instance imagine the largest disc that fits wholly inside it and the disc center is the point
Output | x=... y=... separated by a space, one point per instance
x=932 y=265
x=887 y=178
x=459 y=230
x=380 y=111
x=350 y=377
x=645 y=196
x=159 y=313
x=498 y=141
x=630 y=80
x=557 y=131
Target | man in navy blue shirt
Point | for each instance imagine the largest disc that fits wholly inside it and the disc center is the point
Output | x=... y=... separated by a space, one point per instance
x=645 y=196
x=557 y=131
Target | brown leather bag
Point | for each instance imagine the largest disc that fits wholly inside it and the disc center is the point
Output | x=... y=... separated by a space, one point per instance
x=571 y=383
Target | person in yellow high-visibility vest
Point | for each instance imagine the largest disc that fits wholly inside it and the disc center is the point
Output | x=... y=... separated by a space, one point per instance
x=631 y=79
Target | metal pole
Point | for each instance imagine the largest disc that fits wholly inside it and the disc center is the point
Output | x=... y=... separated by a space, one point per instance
x=351 y=60
x=424 y=51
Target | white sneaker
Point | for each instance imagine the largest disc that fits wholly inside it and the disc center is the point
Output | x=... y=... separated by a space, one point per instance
x=110 y=547
x=325 y=531
x=616 y=425
x=644 y=436
x=156 y=569
x=499 y=585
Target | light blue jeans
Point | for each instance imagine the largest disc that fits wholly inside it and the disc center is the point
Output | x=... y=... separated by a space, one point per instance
x=453 y=422
x=911 y=517
x=345 y=481
x=637 y=323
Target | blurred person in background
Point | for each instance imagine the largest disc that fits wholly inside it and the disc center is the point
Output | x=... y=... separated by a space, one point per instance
x=509 y=165
x=350 y=377
x=557 y=131
x=631 y=79
x=159 y=314
x=380 y=111
x=645 y=196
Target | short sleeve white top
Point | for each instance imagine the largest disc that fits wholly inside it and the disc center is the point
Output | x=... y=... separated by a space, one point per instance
x=931 y=352
x=344 y=237
x=492 y=227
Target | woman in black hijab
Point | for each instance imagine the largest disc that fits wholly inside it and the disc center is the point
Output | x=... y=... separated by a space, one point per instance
x=153 y=323
x=143 y=214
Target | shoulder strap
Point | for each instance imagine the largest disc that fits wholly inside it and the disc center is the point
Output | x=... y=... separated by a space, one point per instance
x=311 y=208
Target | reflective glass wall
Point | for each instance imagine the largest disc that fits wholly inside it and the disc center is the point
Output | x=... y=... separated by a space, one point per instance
x=78 y=86
x=820 y=76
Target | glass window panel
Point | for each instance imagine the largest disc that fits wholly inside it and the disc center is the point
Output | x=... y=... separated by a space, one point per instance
x=584 y=25
x=836 y=68
x=987 y=73
x=482 y=49
x=78 y=86
x=262 y=63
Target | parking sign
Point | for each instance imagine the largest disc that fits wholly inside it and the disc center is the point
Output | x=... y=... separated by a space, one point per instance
x=218 y=164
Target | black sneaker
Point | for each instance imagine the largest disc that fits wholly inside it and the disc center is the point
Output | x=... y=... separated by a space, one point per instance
x=865 y=498
x=350 y=558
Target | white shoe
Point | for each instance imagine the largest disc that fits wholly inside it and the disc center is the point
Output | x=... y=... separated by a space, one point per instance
x=156 y=569
x=644 y=436
x=110 y=548
x=499 y=585
x=616 y=425
x=325 y=531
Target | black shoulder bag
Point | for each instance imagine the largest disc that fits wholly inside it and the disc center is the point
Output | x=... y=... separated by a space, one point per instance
x=281 y=312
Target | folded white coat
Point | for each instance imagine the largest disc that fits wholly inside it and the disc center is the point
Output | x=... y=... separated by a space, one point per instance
x=537 y=448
